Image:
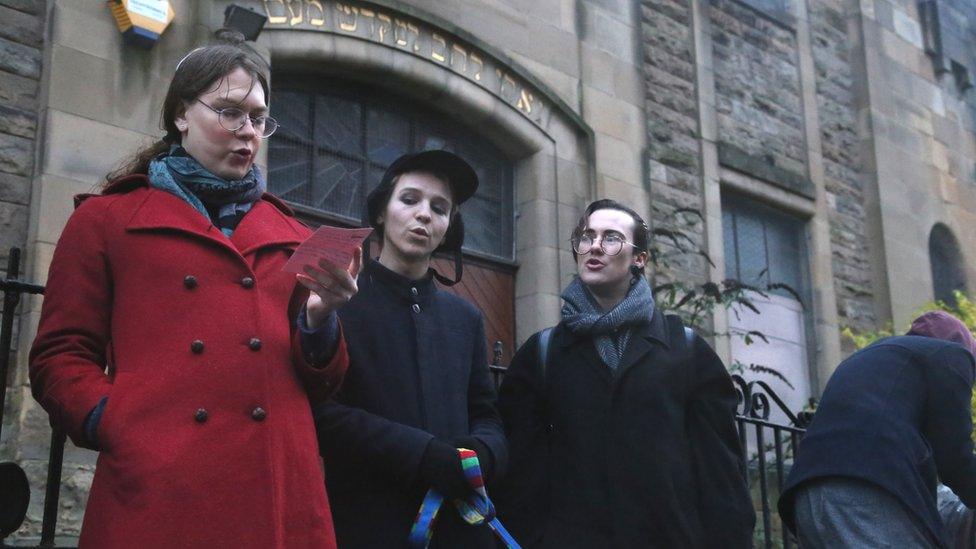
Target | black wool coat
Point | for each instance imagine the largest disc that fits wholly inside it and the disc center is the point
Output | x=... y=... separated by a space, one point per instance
x=896 y=414
x=646 y=456
x=418 y=369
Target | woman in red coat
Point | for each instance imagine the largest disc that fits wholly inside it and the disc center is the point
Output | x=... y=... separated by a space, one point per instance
x=166 y=342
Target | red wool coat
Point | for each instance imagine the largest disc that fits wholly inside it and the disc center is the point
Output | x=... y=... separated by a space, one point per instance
x=207 y=439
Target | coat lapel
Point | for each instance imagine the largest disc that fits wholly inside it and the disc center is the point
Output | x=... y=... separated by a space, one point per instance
x=585 y=349
x=643 y=341
x=162 y=211
x=267 y=224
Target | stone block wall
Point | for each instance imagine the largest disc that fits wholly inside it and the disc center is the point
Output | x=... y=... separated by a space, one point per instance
x=760 y=120
x=757 y=85
x=21 y=46
x=22 y=38
x=673 y=154
x=843 y=166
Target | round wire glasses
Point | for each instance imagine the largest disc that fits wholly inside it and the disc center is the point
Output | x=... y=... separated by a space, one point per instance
x=611 y=244
x=233 y=119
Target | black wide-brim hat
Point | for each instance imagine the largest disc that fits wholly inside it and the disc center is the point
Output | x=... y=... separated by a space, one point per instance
x=461 y=178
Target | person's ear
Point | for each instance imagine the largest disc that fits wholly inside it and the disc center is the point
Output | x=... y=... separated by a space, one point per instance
x=640 y=260
x=180 y=121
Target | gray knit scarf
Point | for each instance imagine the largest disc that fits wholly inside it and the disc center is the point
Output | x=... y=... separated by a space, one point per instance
x=610 y=330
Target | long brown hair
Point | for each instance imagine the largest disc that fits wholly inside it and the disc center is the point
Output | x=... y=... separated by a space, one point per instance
x=196 y=73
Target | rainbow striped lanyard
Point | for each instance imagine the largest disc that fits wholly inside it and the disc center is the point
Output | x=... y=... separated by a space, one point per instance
x=475 y=509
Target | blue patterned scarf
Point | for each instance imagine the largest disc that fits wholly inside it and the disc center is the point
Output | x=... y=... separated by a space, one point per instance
x=178 y=173
x=610 y=330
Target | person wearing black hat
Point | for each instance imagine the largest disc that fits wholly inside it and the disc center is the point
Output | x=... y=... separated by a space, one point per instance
x=418 y=385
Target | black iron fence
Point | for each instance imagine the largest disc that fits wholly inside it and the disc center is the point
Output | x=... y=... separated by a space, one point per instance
x=768 y=445
x=769 y=433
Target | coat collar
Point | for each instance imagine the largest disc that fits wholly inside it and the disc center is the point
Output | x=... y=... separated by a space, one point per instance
x=645 y=338
x=268 y=223
x=412 y=291
x=655 y=330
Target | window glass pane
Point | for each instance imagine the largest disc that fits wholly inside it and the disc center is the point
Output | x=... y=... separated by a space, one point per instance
x=335 y=144
x=338 y=186
x=763 y=240
x=731 y=254
x=782 y=242
x=752 y=250
x=388 y=137
x=338 y=125
x=290 y=152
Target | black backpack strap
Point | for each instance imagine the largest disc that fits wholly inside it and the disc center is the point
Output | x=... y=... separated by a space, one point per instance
x=676 y=326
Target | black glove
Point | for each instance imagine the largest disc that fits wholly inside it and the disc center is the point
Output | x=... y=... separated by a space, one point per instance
x=485 y=458
x=441 y=468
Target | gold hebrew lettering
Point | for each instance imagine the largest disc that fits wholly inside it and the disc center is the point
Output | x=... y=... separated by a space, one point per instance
x=350 y=22
x=275 y=19
x=372 y=19
x=295 y=10
x=438 y=39
x=508 y=85
x=481 y=65
x=386 y=25
x=317 y=21
x=416 y=36
x=525 y=102
x=401 y=39
x=456 y=52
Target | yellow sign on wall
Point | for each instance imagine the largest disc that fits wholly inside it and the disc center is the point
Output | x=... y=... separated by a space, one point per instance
x=141 y=21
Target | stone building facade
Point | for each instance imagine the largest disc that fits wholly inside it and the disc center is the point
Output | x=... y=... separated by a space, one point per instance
x=828 y=146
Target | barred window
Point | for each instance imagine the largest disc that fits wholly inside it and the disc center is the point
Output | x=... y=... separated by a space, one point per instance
x=336 y=140
x=762 y=246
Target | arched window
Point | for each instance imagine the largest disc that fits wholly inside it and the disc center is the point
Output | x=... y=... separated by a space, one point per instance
x=336 y=140
x=948 y=272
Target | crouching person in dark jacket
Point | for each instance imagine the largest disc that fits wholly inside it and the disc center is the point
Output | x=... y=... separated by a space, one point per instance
x=894 y=418
x=621 y=432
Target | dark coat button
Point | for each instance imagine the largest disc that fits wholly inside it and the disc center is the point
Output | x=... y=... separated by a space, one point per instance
x=200 y=415
x=414 y=291
x=416 y=308
x=196 y=346
x=254 y=344
x=247 y=282
x=258 y=414
x=190 y=282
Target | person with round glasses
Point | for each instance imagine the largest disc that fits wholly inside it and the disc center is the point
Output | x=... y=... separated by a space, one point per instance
x=166 y=340
x=620 y=419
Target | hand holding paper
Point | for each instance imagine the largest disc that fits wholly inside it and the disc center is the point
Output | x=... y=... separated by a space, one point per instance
x=327 y=263
x=331 y=243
